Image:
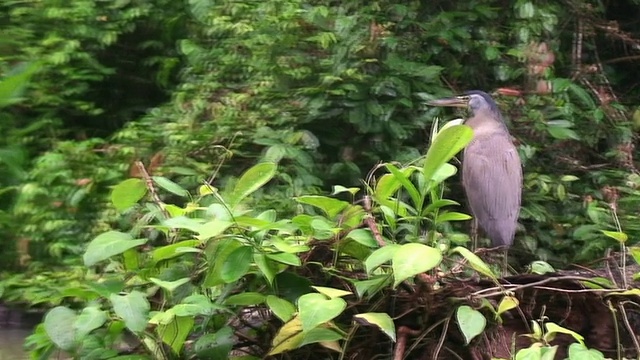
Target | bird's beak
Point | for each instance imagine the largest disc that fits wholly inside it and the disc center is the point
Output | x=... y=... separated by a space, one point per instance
x=458 y=101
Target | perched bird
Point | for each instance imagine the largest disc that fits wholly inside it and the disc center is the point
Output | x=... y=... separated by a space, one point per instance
x=491 y=168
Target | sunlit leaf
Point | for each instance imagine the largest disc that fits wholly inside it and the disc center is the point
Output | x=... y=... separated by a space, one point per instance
x=330 y=206
x=331 y=292
x=59 y=324
x=381 y=320
x=109 y=244
x=289 y=337
x=380 y=256
x=250 y=181
x=447 y=144
x=170 y=186
x=474 y=260
x=616 y=235
x=412 y=259
x=579 y=351
x=471 y=322
x=315 y=309
x=175 y=333
x=507 y=303
x=132 y=308
x=128 y=193
x=90 y=318
x=281 y=308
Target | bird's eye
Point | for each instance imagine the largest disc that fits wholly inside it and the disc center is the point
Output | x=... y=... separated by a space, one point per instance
x=464 y=98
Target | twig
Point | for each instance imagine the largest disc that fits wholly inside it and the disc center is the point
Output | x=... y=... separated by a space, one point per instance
x=632 y=335
x=370 y=221
x=152 y=189
x=442 y=337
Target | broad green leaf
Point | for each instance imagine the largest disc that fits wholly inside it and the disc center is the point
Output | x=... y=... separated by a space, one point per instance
x=331 y=292
x=471 y=322
x=109 y=244
x=388 y=185
x=283 y=309
x=128 y=193
x=474 y=260
x=380 y=256
x=373 y=285
x=212 y=228
x=183 y=222
x=447 y=144
x=320 y=335
x=89 y=319
x=289 y=337
x=382 y=320
x=175 y=333
x=170 y=186
x=215 y=346
x=217 y=254
x=245 y=299
x=406 y=183
x=252 y=180
x=330 y=206
x=541 y=267
x=287 y=246
x=364 y=237
x=452 y=216
x=616 y=235
x=237 y=264
x=507 y=303
x=133 y=309
x=562 y=133
x=581 y=352
x=443 y=173
x=553 y=329
x=286 y=258
x=170 y=251
x=412 y=259
x=266 y=266
x=170 y=286
x=315 y=309
x=59 y=324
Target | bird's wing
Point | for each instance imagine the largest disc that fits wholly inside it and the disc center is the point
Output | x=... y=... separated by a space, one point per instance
x=492 y=178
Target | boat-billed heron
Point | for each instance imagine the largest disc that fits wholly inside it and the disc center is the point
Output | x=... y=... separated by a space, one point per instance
x=491 y=168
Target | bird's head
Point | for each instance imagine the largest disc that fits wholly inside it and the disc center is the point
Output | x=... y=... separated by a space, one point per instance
x=474 y=100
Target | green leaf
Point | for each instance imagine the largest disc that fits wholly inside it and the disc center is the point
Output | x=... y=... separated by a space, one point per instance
x=170 y=285
x=283 y=309
x=330 y=206
x=412 y=259
x=338 y=189
x=316 y=309
x=133 y=309
x=128 y=193
x=471 y=322
x=382 y=320
x=581 y=352
x=406 y=183
x=59 y=326
x=635 y=253
x=320 y=334
x=217 y=254
x=90 y=318
x=364 y=237
x=562 y=133
x=12 y=86
x=553 y=329
x=183 y=222
x=380 y=256
x=175 y=333
x=286 y=258
x=331 y=292
x=447 y=144
x=267 y=267
x=507 y=303
x=443 y=173
x=476 y=263
x=215 y=346
x=170 y=186
x=252 y=180
x=212 y=228
x=372 y=285
x=237 y=264
x=452 y=216
x=170 y=251
x=541 y=267
x=109 y=244
x=616 y=235
x=245 y=299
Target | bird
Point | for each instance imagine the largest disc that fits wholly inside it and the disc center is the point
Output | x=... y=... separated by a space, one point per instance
x=491 y=168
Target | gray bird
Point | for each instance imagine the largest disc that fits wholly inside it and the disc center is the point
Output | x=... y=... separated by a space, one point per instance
x=491 y=168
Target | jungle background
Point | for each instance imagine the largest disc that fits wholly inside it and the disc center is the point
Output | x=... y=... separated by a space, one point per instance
x=203 y=90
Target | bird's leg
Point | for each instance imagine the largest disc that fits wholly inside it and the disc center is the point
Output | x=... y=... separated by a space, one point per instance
x=505 y=262
x=474 y=234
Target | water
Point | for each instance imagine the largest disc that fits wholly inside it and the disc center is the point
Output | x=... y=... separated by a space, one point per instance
x=11 y=344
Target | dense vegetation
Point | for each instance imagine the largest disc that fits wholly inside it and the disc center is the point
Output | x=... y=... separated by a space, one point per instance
x=114 y=112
